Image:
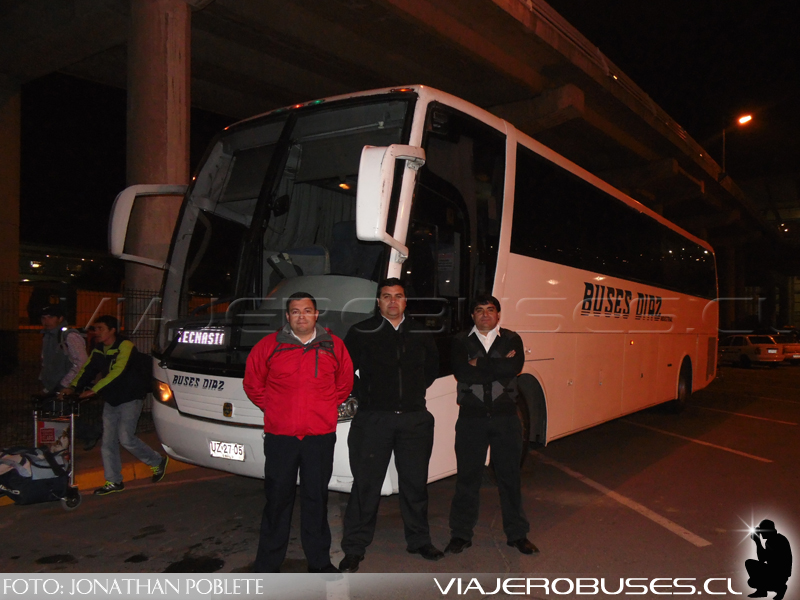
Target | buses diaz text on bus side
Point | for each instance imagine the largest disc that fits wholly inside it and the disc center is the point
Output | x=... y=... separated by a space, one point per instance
x=609 y=301
x=207 y=384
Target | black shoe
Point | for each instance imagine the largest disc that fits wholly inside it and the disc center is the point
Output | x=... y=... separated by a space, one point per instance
x=758 y=594
x=327 y=569
x=350 y=563
x=90 y=444
x=160 y=470
x=109 y=488
x=428 y=552
x=457 y=545
x=524 y=545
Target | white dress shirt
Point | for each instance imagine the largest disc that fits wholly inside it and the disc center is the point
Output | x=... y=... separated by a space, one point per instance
x=488 y=339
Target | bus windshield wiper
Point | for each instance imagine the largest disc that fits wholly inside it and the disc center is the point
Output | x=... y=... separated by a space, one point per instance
x=162 y=360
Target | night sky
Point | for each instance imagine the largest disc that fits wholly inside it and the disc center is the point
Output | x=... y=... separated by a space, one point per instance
x=703 y=61
x=73 y=159
x=706 y=62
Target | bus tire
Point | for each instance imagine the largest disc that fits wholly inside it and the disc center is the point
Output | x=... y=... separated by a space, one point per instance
x=684 y=388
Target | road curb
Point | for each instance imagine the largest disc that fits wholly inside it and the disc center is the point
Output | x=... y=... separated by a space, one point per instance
x=131 y=471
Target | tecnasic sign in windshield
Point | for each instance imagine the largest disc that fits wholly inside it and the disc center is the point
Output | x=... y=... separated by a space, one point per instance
x=204 y=337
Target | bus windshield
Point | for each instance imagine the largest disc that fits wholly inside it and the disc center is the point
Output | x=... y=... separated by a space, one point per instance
x=272 y=212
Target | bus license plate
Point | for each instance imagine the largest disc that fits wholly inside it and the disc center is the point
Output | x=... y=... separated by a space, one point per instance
x=227 y=450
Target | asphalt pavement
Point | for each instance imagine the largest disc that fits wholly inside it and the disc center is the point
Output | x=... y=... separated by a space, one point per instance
x=652 y=494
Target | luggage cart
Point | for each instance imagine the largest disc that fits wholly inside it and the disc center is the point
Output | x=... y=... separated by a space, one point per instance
x=54 y=427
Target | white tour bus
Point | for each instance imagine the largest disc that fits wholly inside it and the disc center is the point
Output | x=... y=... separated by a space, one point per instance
x=615 y=305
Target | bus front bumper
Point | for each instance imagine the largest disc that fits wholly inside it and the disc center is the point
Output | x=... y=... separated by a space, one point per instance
x=189 y=440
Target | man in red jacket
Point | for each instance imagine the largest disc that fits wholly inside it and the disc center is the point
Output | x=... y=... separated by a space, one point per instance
x=298 y=376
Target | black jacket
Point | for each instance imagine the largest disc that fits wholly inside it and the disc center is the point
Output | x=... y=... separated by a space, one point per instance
x=491 y=385
x=395 y=367
x=120 y=382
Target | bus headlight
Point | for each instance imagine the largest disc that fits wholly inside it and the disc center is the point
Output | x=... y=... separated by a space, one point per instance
x=348 y=409
x=163 y=393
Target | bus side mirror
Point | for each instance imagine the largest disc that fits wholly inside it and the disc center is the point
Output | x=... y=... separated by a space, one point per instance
x=120 y=218
x=375 y=182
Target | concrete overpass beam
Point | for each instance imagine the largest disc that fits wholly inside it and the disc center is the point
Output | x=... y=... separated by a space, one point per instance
x=726 y=273
x=710 y=221
x=664 y=181
x=550 y=109
x=159 y=52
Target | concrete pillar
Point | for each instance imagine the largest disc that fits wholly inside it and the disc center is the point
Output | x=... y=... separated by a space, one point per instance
x=770 y=299
x=9 y=221
x=786 y=297
x=9 y=180
x=159 y=78
x=742 y=313
x=726 y=274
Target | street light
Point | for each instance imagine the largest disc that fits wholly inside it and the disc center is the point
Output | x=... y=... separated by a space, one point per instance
x=743 y=120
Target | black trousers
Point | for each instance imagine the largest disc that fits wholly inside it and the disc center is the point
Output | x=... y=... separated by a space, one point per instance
x=503 y=433
x=374 y=435
x=313 y=456
x=763 y=577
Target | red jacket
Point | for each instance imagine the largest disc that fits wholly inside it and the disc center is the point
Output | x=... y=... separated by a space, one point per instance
x=299 y=387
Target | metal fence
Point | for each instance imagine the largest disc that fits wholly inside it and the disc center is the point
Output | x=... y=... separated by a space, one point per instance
x=20 y=349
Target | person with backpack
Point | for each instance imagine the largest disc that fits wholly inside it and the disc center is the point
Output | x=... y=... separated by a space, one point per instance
x=63 y=350
x=63 y=355
x=123 y=389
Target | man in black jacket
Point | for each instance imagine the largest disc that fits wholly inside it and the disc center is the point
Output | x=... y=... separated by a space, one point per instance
x=486 y=363
x=396 y=361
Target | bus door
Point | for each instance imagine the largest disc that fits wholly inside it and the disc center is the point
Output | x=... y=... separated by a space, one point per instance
x=452 y=239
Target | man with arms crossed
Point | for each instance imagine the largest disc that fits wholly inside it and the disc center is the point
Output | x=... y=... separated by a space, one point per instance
x=486 y=363
x=397 y=361
x=298 y=376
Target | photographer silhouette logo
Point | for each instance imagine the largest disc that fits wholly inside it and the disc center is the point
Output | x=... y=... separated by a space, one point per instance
x=773 y=568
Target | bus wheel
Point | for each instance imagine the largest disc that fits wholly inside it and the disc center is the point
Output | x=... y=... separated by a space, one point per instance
x=684 y=388
x=525 y=421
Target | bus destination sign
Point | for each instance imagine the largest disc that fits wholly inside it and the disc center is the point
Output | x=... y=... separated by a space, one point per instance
x=204 y=337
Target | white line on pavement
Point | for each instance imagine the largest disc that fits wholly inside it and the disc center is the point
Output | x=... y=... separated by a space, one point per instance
x=744 y=415
x=702 y=443
x=633 y=505
x=776 y=399
x=748 y=395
